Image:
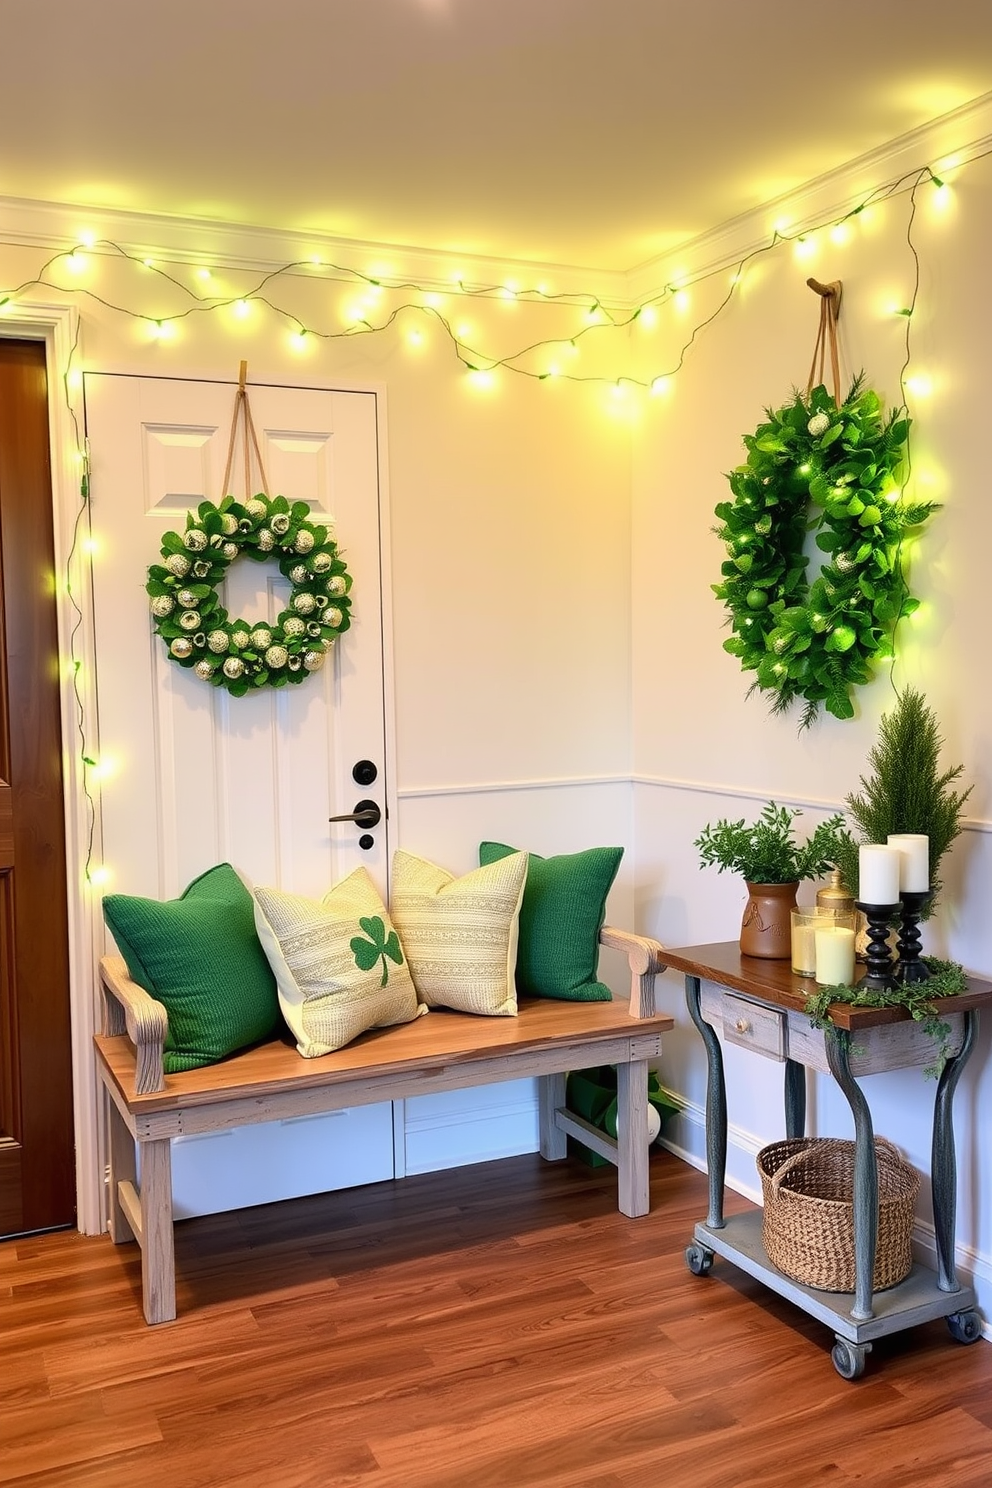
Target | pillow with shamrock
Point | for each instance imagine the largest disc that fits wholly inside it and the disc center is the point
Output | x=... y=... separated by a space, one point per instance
x=338 y=963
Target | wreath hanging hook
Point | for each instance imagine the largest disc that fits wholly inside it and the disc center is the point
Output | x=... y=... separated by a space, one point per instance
x=242 y=415
x=830 y=300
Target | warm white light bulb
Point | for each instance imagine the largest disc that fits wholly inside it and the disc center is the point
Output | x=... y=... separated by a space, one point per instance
x=920 y=385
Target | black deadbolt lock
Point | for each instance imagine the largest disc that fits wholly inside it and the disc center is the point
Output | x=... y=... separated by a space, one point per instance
x=364 y=773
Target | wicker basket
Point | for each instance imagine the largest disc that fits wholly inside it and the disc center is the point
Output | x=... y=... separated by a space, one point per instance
x=808 y=1222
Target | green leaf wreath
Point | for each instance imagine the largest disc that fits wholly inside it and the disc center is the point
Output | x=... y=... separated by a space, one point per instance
x=836 y=471
x=240 y=655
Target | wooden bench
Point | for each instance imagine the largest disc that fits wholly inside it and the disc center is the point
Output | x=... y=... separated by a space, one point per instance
x=444 y=1051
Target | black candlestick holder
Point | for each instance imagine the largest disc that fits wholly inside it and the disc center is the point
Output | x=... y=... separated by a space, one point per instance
x=910 y=966
x=881 y=972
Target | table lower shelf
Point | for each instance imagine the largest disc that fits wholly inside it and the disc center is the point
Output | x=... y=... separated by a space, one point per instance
x=916 y=1300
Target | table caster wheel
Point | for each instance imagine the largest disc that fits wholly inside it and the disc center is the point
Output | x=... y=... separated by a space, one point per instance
x=699 y=1258
x=966 y=1327
x=849 y=1358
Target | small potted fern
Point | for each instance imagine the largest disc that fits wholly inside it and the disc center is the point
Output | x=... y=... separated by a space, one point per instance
x=773 y=864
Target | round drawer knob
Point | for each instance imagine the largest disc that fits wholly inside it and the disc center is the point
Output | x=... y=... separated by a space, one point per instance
x=742 y=1025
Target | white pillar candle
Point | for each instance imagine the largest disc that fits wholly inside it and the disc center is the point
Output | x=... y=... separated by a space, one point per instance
x=834 y=956
x=914 y=863
x=878 y=874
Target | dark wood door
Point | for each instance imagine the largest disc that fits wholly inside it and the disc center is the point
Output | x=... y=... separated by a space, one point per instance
x=37 y=1170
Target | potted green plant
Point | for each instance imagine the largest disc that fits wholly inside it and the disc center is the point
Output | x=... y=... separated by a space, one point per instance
x=773 y=864
x=907 y=791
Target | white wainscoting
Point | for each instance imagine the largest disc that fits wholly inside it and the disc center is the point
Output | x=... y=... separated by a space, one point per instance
x=457 y=1127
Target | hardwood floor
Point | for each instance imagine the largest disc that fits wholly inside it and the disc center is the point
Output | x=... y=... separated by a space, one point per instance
x=499 y=1326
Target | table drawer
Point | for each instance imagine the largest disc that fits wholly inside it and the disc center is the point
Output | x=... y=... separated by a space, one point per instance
x=750 y=1025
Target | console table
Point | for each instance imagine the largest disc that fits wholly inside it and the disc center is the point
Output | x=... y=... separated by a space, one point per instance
x=759 y=1004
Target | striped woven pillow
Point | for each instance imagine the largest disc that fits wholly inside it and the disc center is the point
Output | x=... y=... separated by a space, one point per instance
x=460 y=934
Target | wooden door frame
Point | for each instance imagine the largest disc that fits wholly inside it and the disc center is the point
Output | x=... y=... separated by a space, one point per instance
x=59 y=327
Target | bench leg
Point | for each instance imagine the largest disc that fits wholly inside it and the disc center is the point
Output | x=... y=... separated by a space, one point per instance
x=123 y=1169
x=632 y=1138
x=158 y=1256
x=551 y=1098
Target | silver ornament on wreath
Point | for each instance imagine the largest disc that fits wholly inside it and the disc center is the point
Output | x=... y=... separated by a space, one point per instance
x=238 y=655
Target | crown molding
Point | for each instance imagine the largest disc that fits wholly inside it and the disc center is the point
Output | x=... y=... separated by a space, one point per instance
x=944 y=144
x=58 y=226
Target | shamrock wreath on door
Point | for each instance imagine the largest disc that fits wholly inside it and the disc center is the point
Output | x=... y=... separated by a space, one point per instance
x=237 y=654
x=832 y=468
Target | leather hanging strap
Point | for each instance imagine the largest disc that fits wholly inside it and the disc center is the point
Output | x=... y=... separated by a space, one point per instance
x=826 y=336
x=242 y=415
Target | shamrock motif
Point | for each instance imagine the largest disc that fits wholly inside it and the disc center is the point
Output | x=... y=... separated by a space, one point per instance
x=378 y=946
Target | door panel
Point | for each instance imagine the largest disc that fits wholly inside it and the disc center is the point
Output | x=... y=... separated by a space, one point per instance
x=196 y=776
x=37 y=1162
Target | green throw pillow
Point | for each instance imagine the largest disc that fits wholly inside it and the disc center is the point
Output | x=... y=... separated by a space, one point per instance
x=199 y=955
x=560 y=919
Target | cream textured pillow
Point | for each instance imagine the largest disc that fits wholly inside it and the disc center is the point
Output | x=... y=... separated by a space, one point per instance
x=460 y=934
x=338 y=964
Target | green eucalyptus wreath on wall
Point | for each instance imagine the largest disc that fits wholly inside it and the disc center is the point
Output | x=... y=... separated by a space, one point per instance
x=835 y=470
x=237 y=654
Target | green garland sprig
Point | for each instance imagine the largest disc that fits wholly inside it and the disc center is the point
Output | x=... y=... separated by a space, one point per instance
x=242 y=655
x=835 y=471
x=947 y=979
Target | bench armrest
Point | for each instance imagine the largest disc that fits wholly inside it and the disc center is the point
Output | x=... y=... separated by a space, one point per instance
x=128 y=1008
x=646 y=958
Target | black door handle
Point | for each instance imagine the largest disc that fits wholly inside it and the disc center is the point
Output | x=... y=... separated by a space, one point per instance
x=365 y=815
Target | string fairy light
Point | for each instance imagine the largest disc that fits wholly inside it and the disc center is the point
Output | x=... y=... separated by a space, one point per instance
x=597 y=320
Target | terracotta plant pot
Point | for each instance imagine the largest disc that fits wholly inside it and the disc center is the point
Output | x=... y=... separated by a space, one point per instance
x=766 y=929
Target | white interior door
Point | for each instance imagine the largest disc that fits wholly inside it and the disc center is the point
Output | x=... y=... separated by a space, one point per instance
x=193 y=776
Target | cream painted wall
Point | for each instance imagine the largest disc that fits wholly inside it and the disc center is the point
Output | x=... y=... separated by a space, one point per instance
x=701 y=748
